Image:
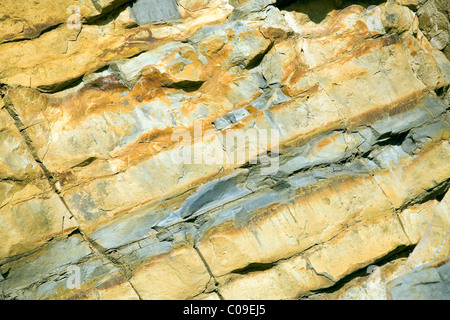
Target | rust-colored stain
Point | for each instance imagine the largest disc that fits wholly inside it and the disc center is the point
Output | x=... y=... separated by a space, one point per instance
x=299 y=72
x=390 y=40
x=395 y=107
x=274 y=33
x=251 y=109
x=108 y=83
x=326 y=141
x=142 y=34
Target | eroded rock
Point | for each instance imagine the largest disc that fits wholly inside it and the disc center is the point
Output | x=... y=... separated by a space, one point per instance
x=351 y=172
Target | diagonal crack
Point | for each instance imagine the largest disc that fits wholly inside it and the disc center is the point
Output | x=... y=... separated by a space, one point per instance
x=395 y=210
x=216 y=290
x=100 y=251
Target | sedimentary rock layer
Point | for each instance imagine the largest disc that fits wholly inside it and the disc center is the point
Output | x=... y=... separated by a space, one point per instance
x=127 y=157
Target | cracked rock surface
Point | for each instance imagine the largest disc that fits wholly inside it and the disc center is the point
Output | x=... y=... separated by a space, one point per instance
x=357 y=93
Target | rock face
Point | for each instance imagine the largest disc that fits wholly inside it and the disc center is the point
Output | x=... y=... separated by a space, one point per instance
x=224 y=149
x=434 y=21
x=429 y=283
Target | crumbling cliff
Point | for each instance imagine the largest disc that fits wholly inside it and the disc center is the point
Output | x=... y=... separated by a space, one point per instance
x=224 y=149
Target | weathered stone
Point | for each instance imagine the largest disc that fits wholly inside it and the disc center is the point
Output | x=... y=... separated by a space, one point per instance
x=369 y=285
x=63 y=55
x=258 y=240
x=367 y=244
x=177 y=63
x=429 y=283
x=410 y=185
x=28 y=20
x=30 y=211
x=286 y=280
x=434 y=22
x=178 y=275
x=126 y=149
x=151 y=11
x=52 y=258
x=434 y=244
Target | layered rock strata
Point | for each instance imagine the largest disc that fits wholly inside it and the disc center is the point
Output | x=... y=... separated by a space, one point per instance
x=94 y=116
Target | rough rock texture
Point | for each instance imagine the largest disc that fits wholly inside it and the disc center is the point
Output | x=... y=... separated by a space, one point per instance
x=434 y=16
x=357 y=92
x=431 y=283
